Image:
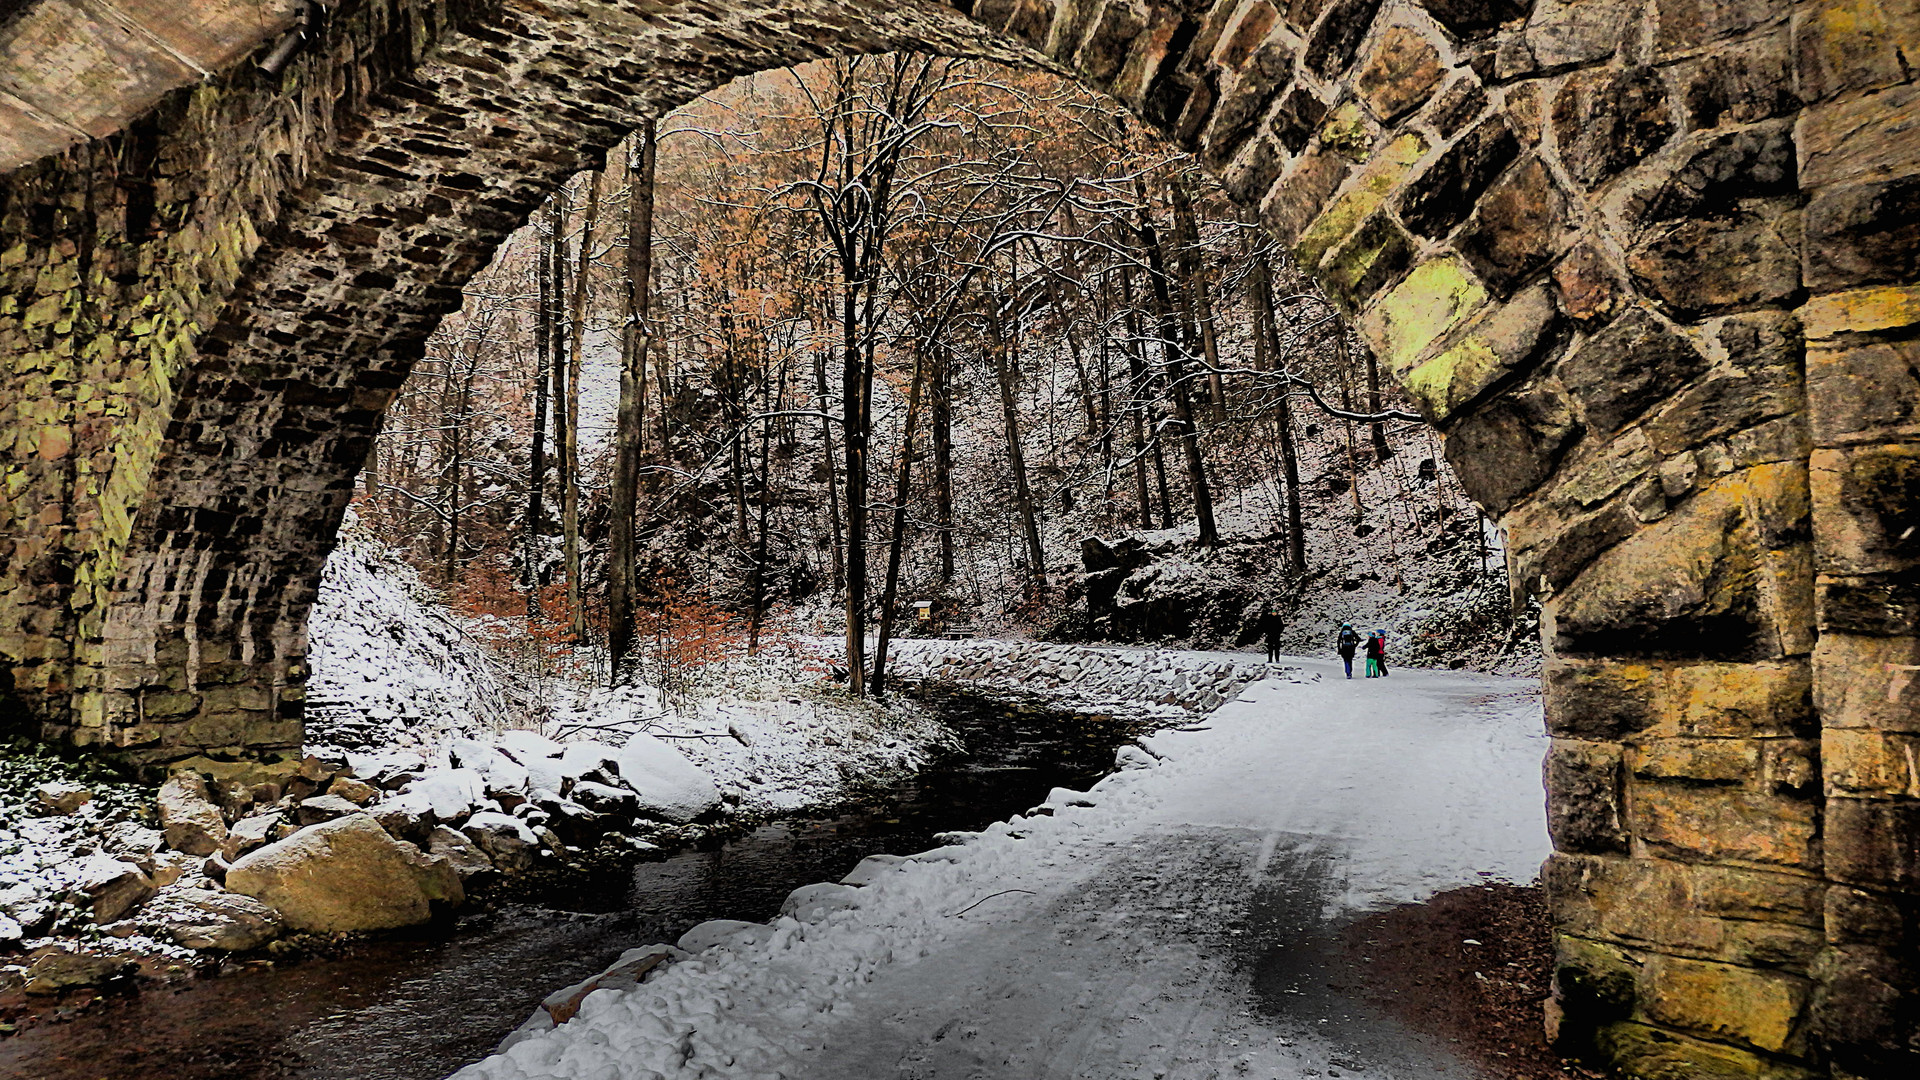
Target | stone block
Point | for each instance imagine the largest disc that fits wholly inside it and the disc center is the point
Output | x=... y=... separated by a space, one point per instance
x=1399 y=74
x=1868 y=137
x=1590 y=290
x=1442 y=196
x=1761 y=1009
x=1761 y=380
x=1519 y=227
x=1707 y=761
x=1721 y=822
x=1628 y=367
x=1842 y=45
x=1738 y=83
x=1561 y=33
x=1594 y=980
x=1864 y=1011
x=1372 y=258
x=1863 y=234
x=1693 y=585
x=1874 y=843
x=1507 y=446
x=1607 y=120
x=1868 y=683
x=1864 y=762
x=1512 y=337
x=1683 y=25
x=1743 y=259
x=1600 y=699
x=1299 y=198
x=1369 y=189
x=1435 y=297
x=1333 y=45
x=1469 y=19
x=1863 y=389
x=1460 y=104
x=1867 y=507
x=1584 y=795
x=1650 y=1053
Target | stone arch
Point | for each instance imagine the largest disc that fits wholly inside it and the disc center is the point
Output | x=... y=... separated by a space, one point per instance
x=1646 y=262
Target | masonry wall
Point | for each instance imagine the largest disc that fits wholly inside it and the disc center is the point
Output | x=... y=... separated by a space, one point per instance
x=1649 y=264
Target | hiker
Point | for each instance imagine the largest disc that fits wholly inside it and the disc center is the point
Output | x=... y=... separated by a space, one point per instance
x=1347 y=642
x=1377 y=654
x=1269 y=627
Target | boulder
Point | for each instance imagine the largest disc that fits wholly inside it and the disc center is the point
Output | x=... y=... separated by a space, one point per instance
x=113 y=887
x=59 y=969
x=716 y=932
x=10 y=931
x=526 y=747
x=357 y=792
x=623 y=974
x=604 y=799
x=205 y=919
x=133 y=842
x=811 y=903
x=450 y=792
x=323 y=808
x=188 y=817
x=61 y=797
x=408 y=816
x=249 y=833
x=669 y=786
x=587 y=761
x=347 y=874
x=462 y=854
x=498 y=772
x=506 y=839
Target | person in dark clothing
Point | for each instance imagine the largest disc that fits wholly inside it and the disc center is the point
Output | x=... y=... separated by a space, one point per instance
x=1270 y=630
x=1347 y=642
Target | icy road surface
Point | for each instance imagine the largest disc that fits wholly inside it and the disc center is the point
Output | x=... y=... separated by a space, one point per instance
x=1176 y=928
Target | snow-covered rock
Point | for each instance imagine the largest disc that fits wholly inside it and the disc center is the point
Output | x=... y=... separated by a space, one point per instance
x=450 y=793
x=719 y=932
x=507 y=841
x=203 y=919
x=461 y=853
x=669 y=786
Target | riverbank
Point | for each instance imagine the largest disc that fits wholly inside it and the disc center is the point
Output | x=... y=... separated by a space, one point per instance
x=1168 y=921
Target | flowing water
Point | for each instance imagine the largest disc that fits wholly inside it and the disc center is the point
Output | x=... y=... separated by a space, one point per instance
x=416 y=1008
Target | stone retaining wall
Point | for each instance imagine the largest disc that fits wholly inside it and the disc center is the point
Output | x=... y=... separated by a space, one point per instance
x=1153 y=682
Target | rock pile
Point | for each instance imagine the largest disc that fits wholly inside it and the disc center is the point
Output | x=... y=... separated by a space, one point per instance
x=245 y=852
x=1152 y=683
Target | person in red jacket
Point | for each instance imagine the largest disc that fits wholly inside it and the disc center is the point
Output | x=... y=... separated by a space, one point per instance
x=1377 y=653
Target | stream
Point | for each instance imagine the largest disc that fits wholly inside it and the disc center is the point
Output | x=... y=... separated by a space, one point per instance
x=418 y=1007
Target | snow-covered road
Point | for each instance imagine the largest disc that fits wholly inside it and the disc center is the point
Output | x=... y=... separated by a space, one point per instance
x=1177 y=927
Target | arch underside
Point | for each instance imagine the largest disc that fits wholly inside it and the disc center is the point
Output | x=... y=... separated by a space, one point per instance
x=1641 y=260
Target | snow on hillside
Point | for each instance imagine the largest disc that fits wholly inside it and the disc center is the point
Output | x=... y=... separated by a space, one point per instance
x=392 y=667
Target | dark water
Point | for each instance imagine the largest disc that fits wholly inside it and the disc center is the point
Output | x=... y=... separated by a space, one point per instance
x=418 y=1008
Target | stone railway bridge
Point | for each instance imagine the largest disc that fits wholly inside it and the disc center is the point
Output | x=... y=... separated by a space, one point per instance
x=1652 y=265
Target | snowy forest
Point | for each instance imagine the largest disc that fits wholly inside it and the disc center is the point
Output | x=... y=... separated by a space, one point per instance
x=906 y=345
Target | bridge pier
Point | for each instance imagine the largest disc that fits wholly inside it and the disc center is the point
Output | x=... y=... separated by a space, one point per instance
x=1648 y=264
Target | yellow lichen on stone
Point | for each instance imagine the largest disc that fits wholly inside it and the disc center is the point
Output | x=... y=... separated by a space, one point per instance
x=1363 y=196
x=1861 y=311
x=1437 y=296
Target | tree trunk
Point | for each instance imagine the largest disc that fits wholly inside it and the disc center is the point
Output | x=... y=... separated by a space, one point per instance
x=852 y=405
x=1016 y=456
x=942 y=394
x=543 y=358
x=1267 y=358
x=570 y=451
x=833 y=470
x=1381 y=451
x=889 y=594
x=630 y=426
x=1192 y=281
x=1177 y=385
x=1137 y=365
